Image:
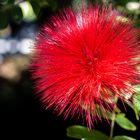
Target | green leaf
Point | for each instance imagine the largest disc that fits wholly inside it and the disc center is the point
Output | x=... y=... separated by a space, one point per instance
x=100 y=112
x=123 y=122
x=137 y=87
x=97 y=135
x=27 y=10
x=77 y=4
x=36 y=7
x=80 y=132
x=42 y=3
x=3 y=2
x=136 y=101
x=53 y=4
x=16 y=14
x=11 y=1
x=136 y=98
x=135 y=109
x=77 y=131
x=3 y=20
x=123 y=138
x=136 y=112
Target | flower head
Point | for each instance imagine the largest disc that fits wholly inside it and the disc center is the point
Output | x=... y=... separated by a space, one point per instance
x=84 y=59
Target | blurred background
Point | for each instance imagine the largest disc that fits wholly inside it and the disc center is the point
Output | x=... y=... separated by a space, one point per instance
x=21 y=113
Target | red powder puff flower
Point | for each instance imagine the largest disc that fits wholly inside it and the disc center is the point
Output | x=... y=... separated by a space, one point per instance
x=84 y=59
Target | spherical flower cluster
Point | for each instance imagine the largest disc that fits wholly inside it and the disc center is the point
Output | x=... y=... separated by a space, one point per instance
x=85 y=59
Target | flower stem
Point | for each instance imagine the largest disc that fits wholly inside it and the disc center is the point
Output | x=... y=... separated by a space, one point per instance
x=112 y=125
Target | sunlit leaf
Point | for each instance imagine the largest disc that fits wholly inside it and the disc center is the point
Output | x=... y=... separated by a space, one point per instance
x=123 y=122
x=122 y=19
x=136 y=112
x=27 y=10
x=123 y=138
x=136 y=101
x=137 y=87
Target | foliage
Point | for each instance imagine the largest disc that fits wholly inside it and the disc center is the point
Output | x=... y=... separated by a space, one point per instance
x=119 y=118
x=29 y=10
x=17 y=11
x=24 y=10
x=116 y=117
